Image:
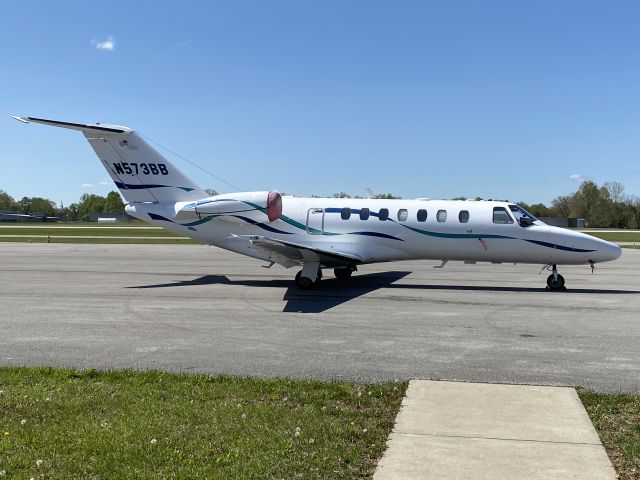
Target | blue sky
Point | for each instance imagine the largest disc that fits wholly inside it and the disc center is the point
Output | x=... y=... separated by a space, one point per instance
x=500 y=99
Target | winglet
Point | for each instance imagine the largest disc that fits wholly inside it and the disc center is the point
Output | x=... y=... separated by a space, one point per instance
x=20 y=119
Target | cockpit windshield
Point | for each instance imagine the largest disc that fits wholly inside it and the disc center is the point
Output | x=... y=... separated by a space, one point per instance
x=523 y=217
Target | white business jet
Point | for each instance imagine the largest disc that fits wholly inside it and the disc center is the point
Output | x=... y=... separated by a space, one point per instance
x=338 y=233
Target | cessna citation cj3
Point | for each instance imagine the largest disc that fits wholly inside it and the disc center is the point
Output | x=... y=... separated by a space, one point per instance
x=338 y=233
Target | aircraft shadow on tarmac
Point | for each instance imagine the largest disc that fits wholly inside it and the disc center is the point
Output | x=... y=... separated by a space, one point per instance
x=330 y=293
x=333 y=292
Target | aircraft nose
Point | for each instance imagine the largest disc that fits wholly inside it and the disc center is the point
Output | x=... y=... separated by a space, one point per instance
x=607 y=251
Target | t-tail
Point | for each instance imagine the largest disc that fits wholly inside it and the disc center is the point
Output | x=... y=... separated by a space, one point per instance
x=139 y=171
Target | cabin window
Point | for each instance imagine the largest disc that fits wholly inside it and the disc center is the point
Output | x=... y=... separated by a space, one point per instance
x=364 y=213
x=463 y=216
x=441 y=216
x=345 y=213
x=422 y=215
x=383 y=214
x=403 y=215
x=500 y=215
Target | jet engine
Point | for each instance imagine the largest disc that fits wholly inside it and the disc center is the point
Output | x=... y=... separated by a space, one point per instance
x=243 y=205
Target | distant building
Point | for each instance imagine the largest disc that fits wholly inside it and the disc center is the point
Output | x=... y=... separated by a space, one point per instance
x=109 y=217
x=14 y=217
x=565 y=222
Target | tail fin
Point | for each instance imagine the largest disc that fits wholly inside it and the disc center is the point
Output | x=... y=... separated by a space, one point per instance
x=138 y=170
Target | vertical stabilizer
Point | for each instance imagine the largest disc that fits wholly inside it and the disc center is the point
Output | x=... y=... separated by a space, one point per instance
x=139 y=171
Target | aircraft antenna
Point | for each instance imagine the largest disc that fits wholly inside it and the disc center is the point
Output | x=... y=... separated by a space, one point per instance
x=191 y=163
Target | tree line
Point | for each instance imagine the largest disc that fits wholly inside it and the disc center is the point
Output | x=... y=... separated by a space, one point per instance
x=605 y=206
x=80 y=211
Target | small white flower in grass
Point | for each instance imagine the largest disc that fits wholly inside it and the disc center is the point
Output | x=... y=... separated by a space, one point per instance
x=243 y=416
x=3 y=473
x=1 y=392
x=324 y=408
x=23 y=422
x=153 y=441
x=297 y=432
x=39 y=463
x=364 y=430
x=47 y=399
x=285 y=399
x=311 y=440
x=359 y=394
x=369 y=393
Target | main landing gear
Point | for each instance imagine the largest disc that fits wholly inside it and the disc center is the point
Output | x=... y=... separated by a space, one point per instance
x=305 y=283
x=555 y=281
x=310 y=275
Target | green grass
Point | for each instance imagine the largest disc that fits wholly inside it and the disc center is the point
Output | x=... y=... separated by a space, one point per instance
x=619 y=236
x=617 y=420
x=93 y=424
x=98 y=235
x=105 y=240
x=94 y=232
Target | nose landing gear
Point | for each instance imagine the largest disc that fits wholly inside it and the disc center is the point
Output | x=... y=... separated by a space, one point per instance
x=555 y=281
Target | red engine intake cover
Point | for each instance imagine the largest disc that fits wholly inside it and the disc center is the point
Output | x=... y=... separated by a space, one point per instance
x=274 y=206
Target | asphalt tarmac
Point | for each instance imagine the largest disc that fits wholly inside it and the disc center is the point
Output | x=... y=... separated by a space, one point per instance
x=194 y=308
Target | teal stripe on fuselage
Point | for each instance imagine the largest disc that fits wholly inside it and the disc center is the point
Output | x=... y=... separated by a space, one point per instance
x=454 y=235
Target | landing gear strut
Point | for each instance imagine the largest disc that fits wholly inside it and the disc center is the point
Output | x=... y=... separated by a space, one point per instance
x=555 y=281
x=343 y=273
x=309 y=276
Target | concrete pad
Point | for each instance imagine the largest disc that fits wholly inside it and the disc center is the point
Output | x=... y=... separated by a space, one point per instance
x=496 y=411
x=482 y=431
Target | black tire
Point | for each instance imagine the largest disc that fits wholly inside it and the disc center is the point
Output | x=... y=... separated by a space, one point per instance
x=556 y=285
x=304 y=283
x=342 y=273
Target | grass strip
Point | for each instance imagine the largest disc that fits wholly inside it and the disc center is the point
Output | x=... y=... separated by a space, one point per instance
x=68 y=424
x=617 y=420
x=104 y=240
x=619 y=236
x=94 y=232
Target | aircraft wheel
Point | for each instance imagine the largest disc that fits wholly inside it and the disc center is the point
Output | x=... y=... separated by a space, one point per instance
x=557 y=284
x=342 y=273
x=304 y=283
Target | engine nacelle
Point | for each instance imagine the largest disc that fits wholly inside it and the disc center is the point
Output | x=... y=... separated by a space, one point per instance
x=251 y=205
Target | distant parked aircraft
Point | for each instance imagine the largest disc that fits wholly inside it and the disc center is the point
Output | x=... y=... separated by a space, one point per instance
x=337 y=233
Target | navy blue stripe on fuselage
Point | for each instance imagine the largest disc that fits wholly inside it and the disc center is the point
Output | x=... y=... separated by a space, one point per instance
x=129 y=186
x=155 y=216
x=261 y=225
x=376 y=234
x=558 y=247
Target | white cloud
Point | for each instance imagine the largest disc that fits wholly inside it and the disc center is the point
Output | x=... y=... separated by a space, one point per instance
x=104 y=182
x=87 y=185
x=576 y=178
x=108 y=44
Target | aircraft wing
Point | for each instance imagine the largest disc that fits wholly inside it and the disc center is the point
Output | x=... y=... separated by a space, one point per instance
x=289 y=254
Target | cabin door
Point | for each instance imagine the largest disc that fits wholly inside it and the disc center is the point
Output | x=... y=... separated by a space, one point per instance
x=315 y=221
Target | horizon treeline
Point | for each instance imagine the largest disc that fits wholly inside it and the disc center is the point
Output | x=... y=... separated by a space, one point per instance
x=605 y=206
x=89 y=203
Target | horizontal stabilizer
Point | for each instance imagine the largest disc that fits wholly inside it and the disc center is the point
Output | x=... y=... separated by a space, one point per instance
x=75 y=126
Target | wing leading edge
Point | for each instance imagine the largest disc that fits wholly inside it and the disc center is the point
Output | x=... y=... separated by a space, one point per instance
x=290 y=254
